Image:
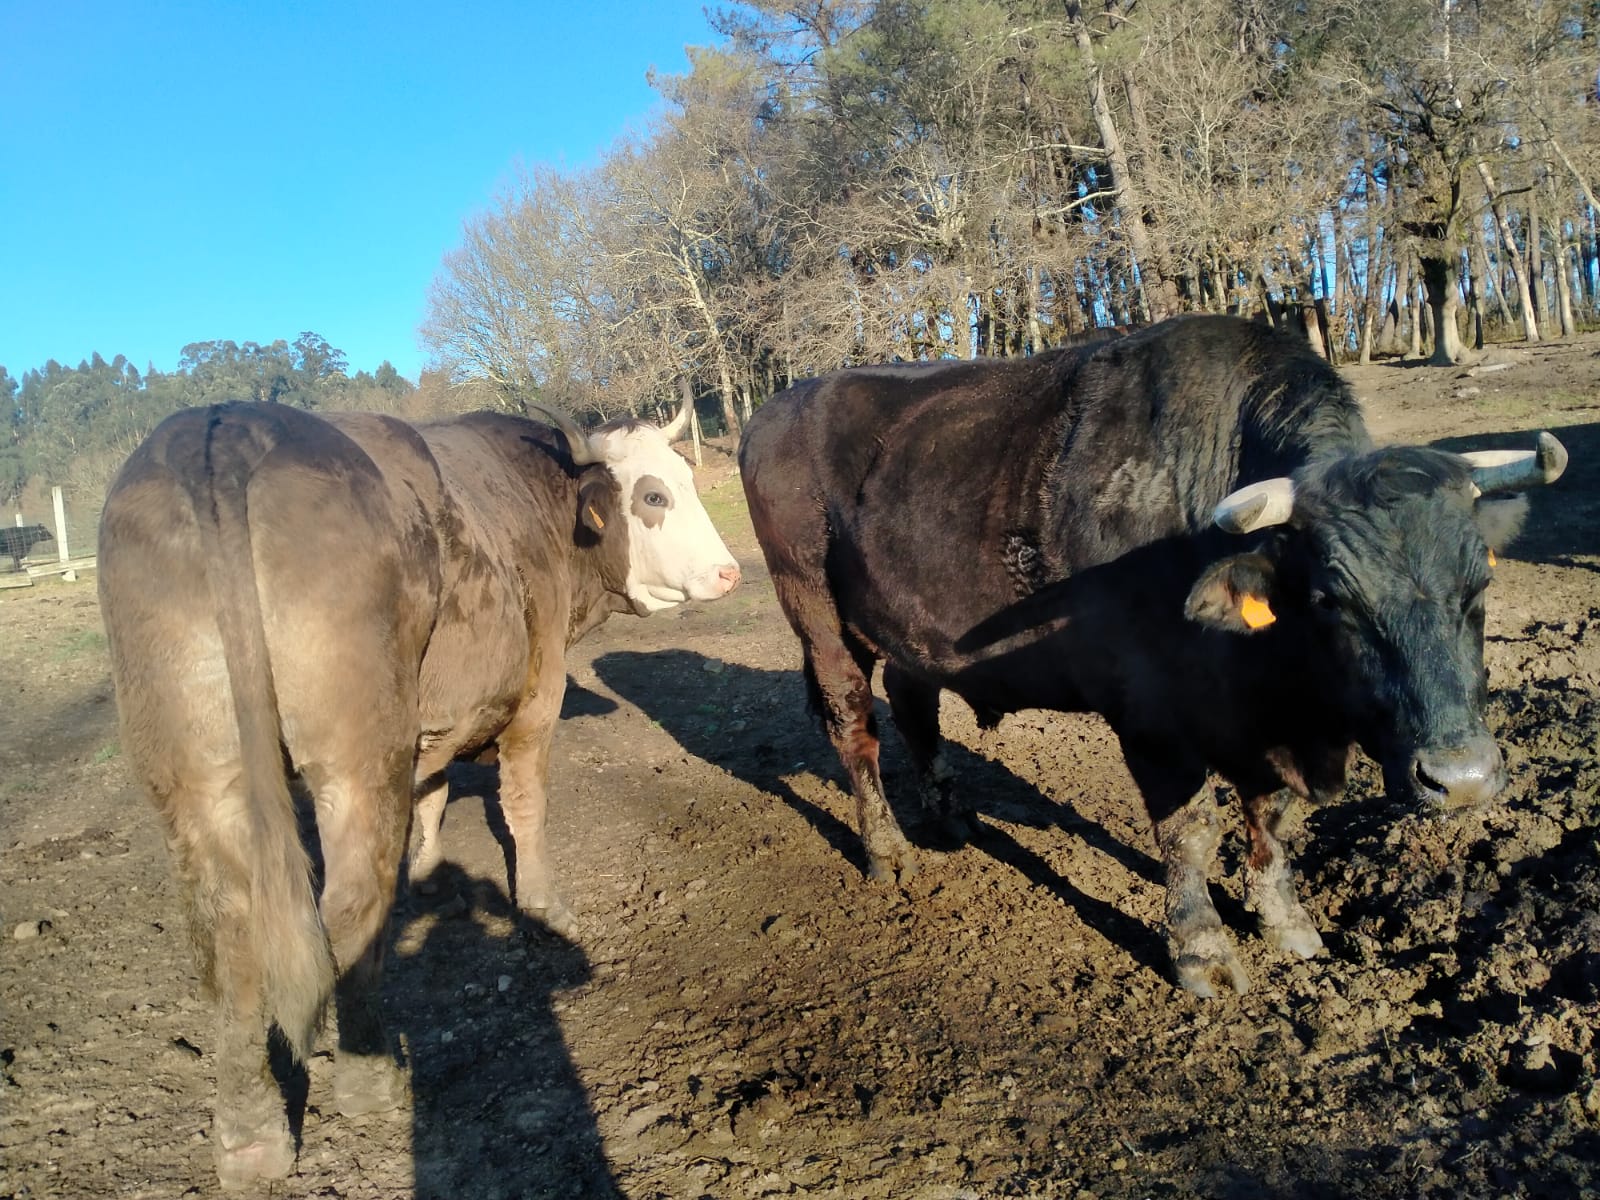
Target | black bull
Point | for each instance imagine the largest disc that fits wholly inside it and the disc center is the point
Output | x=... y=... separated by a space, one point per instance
x=18 y=540
x=1069 y=532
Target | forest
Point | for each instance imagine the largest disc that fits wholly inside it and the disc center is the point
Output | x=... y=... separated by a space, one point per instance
x=845 y=181
x=848 y=181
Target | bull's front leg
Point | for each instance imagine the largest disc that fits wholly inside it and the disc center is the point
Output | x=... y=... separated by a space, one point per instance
x=1188 y=832
x=1269 y=879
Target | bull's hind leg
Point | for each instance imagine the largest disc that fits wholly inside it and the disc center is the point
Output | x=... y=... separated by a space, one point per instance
x=1188 y=832
x=915 y=704
x=1269 y=879
x=838 y=680
x=837 y=675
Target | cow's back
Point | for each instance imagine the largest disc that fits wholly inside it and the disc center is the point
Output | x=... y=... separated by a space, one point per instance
x=344 y=562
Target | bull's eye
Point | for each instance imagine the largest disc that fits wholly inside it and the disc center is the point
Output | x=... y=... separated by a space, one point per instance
x=1324 y=602
x=656 y=499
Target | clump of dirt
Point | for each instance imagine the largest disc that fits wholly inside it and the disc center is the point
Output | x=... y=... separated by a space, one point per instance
x=743 y=1014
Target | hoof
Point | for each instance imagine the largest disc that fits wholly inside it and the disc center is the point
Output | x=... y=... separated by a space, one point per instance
x=1294 y=938
x=1208 y=977
x=268 y=1156
x=556 y=917
x=1206 y=964
x=893 y=869
x=365 y=1084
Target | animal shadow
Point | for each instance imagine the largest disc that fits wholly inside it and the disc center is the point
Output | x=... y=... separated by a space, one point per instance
x=498 y=1106
x=753 y=723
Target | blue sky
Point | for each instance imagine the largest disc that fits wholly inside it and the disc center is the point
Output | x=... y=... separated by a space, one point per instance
x=172 y=173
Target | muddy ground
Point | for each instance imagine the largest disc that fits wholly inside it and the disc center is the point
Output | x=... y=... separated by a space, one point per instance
x=744 y=1015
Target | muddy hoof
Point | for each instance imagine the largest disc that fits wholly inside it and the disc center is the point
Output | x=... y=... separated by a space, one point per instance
x=556 y=917
x=368 y=1084
x=892 y=869
x=267 y=1156
x=1294 y=937
x=1207 y=965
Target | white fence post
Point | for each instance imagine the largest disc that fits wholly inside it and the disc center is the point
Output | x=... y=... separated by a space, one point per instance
x=61 y=523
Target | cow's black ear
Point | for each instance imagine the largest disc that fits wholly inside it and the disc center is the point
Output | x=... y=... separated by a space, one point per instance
x=1500 y=519
x=597 y=507
x=1234 y=594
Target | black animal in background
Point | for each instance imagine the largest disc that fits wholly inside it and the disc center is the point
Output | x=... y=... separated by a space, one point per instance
x=18 y=540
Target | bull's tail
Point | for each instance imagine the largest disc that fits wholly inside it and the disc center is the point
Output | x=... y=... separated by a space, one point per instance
x=289 y=946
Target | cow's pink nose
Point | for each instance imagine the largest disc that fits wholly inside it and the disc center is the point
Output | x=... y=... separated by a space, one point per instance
x=729 y=576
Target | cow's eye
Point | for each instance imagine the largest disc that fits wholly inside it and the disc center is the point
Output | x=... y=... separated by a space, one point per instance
x=1324 y=602
x=655 y=498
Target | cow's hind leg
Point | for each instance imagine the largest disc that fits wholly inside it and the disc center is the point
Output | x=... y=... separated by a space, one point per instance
x=250 y=1127
x=1269 y=879
x=915 y=704
x=362 y=814
x=1188 y=832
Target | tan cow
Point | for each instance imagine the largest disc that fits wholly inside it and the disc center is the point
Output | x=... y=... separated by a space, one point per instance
x=358 y=600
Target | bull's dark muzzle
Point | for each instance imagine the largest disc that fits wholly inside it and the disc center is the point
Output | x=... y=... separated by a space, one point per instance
x=1460 y=776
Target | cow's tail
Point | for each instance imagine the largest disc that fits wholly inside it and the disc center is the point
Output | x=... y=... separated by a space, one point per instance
x=289 y=945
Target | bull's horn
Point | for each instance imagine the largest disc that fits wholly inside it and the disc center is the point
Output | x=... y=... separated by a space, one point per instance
x=1256 y=506
x=1510 y=470
x=675 y=428
x=578 y=444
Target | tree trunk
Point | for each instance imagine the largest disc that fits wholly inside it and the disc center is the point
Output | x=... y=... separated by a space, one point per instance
x=1160 y=295
x=686 y=392
x=1440 y=276
x=1530 y=320
x=1559 y=244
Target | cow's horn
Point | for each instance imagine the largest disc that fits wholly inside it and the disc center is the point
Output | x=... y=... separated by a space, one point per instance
x=1256 y=506
x=675 y=428
x=1509 y=470
x=578 y=444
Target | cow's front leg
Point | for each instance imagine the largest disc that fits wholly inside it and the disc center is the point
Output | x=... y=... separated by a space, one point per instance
x=915 y=705
x=524 y=772
x=1269 y=879
x=1188 y=832
x=427 y=847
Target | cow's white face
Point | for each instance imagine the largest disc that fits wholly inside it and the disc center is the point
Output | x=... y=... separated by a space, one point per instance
x=674 y=552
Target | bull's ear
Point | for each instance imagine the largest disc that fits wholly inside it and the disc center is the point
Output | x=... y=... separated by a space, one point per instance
x=1500 y=519
x=597 y=508
x=1234 y=594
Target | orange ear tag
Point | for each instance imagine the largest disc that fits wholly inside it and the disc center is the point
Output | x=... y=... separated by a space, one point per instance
x=1256 y=612
x=1491 y=560
x=595 y=517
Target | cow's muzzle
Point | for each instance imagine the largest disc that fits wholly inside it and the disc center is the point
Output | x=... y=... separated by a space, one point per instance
x=1466 y=775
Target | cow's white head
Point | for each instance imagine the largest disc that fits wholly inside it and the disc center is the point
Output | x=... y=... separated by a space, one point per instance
x=674 y=552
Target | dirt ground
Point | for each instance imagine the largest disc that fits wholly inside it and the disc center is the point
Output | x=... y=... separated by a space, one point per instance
x=744 y=1015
